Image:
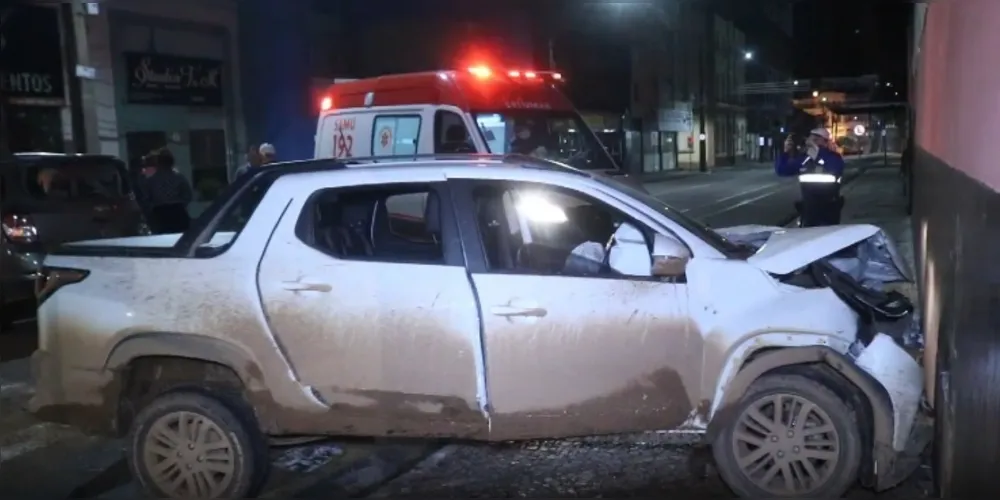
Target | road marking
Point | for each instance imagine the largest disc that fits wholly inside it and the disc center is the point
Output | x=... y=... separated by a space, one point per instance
x=32 y=438
x=11 y=451
x=23 y=321
x=742 y=203
x=713 y=203
x=16 y=388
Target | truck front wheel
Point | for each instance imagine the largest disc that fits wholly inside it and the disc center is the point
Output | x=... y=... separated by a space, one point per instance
x=791 y=437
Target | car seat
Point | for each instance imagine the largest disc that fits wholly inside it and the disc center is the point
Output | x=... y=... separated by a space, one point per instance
x=387 y=243
x=349 y=237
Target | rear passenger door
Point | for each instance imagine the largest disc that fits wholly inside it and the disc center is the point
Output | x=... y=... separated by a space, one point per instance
x=365 y=290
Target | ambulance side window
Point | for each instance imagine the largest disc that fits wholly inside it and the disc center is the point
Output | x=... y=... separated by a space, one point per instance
x=450 y=133
x=395 y=135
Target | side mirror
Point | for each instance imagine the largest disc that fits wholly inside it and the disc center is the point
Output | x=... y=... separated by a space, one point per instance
x=627 y=233
x=670 y=256
x=629 y=254
x=669 y=247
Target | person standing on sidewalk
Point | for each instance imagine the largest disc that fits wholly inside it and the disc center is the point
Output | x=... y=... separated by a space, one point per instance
x=817 y=157
x=252 y=161
x=819 y=169
x=166 y=193
x=267 y=153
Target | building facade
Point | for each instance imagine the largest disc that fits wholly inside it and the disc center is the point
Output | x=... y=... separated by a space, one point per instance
x=124 y=77
x=33 y=80
x=689 y=75
x=174 y=82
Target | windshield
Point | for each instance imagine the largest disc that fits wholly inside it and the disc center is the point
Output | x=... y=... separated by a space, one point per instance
x=554 y=135
x=75 y=179
x=699 y=229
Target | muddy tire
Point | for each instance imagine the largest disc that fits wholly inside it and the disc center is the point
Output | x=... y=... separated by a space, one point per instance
x=811 y=450
x=190 y=445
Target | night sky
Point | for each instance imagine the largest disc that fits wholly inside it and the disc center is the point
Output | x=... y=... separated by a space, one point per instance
x=833 y=38
x=851 y=38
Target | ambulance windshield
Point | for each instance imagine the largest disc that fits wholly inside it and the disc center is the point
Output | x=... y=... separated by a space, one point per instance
x=555 y=135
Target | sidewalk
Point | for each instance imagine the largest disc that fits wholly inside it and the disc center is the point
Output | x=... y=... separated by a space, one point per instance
x=876 y=197
x=656 y=177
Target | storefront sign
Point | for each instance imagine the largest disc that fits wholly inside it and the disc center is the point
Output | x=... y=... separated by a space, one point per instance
x=172 y=80
x=677 y=118
x=31 y=63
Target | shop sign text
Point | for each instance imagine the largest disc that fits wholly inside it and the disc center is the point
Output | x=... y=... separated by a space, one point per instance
x=173 y=80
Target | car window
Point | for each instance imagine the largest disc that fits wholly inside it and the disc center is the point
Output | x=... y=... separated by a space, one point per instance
x=86 y=178
x=406 y=215
x=561 y=136
x=451 y=134
x=392 y=223
x=236 y=215
x=395 y=135
x=545 y=230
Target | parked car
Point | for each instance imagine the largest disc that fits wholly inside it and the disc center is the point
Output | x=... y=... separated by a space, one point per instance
x=485 y=299
x=47 y=199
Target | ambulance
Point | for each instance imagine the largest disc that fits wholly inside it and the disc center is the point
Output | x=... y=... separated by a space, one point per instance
x=476 y=110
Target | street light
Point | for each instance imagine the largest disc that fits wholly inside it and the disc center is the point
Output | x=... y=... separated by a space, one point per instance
x=748 y=55
x=796 y=82
x=815 y=93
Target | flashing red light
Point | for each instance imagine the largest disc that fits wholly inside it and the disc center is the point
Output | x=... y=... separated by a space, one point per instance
x=481 y=72
x=514 y=74
x=326 y=104
x=530 y=75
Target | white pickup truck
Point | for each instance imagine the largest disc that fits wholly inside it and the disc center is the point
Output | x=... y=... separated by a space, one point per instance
x=484 y=299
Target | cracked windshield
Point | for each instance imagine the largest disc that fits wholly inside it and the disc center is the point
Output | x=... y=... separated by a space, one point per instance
x=532 y=249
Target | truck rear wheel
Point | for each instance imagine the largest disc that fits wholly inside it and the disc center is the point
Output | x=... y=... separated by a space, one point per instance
x=792 y=437
x=190 y=445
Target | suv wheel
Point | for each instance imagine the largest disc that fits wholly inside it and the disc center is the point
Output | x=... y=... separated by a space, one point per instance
x=188 y=445
x=791 y=437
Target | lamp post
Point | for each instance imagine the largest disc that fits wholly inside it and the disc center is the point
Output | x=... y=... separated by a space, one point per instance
x=703 y=53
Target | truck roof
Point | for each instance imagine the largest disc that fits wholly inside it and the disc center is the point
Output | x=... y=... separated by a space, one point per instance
x=476 y=89
x=410 y=161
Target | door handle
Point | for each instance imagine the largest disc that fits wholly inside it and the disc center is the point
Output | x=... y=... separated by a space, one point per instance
x=512 y=311
x=298 y=286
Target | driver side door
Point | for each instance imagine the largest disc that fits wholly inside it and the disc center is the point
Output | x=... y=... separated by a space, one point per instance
x=571 y=351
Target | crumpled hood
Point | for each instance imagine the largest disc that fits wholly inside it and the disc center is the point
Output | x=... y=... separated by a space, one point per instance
x=783 y=250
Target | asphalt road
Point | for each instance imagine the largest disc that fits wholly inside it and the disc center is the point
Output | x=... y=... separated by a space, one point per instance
x=52 y=461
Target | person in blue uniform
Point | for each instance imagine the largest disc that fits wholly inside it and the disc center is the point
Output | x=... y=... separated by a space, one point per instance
x=821 y=202
x=817 y=157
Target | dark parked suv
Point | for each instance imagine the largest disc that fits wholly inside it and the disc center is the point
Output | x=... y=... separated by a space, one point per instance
x=47 y=199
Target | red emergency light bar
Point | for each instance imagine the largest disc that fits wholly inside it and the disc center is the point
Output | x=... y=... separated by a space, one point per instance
x=485 y=72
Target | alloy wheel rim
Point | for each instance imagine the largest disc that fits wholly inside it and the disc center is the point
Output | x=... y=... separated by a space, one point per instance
x=786 y=445
x=188 y=455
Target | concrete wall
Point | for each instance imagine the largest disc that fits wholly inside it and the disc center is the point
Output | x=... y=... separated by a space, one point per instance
x=957 y=237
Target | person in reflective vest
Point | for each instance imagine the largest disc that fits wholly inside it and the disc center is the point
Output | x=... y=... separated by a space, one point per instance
x=816 y=157
x=819 y=169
